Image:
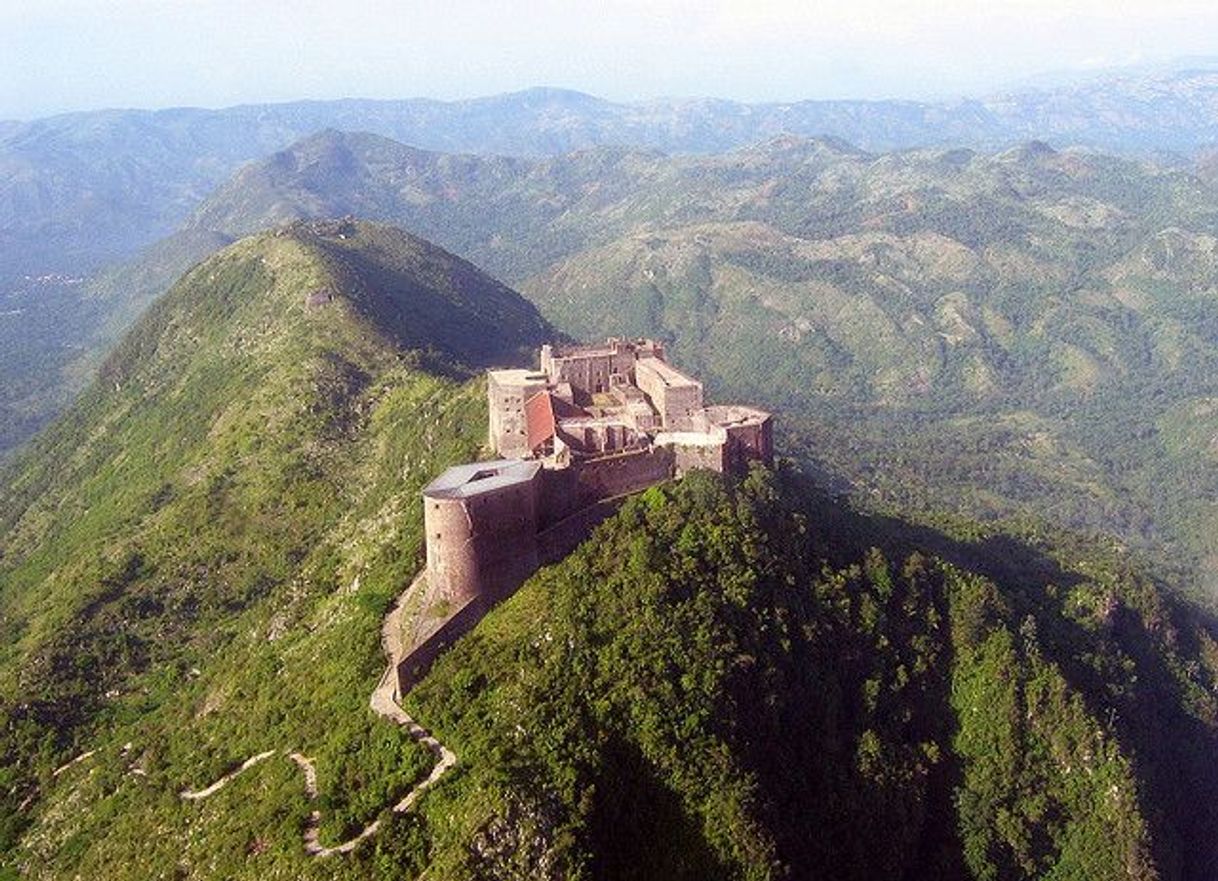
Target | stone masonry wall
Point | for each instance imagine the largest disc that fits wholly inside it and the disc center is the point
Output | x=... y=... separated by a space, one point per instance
x=622 y=473
x=748 y=443
x=418 y=660
x=480 y=545
x=693 y=456
x=452 y=564
x=505 y=402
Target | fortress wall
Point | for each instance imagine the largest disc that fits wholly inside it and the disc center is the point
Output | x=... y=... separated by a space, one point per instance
x=681 y=405
x=622 y=473
x=505 y=537
x=452 y=564
x=590 y=369
x=416 y=661
x=507 y=392
x=689 y=457
x=558 y=495
x=554 y=543
x=484 y=544
x=676 y=397
x=750 y=442
x=549 y=546
x=586 y=373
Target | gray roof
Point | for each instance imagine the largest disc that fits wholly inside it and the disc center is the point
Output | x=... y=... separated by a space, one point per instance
x=668 y=374
x=476 y=478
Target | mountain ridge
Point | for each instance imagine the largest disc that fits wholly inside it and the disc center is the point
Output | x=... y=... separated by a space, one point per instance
x=1021 y=298
x=1027 y=283
x=211 y=506
x=734 y=678
x=180 y=153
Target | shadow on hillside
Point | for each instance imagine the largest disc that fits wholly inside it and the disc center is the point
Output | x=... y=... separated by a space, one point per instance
x=429 y=301
x=1174 y=751
x=634 y=810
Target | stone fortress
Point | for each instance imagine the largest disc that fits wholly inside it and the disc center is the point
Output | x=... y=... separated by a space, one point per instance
x=591 y=425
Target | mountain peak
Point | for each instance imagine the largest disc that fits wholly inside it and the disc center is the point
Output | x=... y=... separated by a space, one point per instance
x=553 y=95
x=324 y=280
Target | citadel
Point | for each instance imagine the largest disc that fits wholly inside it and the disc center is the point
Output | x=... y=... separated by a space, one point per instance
x=590 y=425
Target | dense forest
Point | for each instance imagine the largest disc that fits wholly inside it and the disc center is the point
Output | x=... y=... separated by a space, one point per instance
x=733 y=681
x=735 y=678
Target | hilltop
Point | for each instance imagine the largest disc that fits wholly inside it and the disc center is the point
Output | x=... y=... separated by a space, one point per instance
x=732 y=679
x=987 y=332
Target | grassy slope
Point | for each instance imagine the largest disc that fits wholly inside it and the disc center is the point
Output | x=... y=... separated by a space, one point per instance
x=196 y=559
x=727 y=683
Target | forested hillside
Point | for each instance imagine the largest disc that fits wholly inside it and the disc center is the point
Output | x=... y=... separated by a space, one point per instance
x=197 y=557
x=55 y=331
x=724 y=683
x=1028 y=329
x=727 y=682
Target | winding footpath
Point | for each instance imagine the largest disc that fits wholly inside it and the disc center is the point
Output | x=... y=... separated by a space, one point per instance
x=384 y=702
x=195 y=795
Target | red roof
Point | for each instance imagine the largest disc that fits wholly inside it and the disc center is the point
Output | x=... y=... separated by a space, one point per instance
x=539 y=419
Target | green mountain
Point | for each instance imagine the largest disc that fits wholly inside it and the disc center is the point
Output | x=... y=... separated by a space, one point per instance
x=726 y=683
x=197 y=556
x=1028 y=329
x=732 y=679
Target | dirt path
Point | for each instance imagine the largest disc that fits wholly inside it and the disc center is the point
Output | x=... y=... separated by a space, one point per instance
x=194 y=795
x=76 y=761
x=384 y=702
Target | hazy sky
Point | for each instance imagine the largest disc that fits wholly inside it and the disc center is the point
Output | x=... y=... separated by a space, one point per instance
x=60 y=55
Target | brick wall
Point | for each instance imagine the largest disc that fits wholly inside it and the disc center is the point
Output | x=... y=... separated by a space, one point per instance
x=418 y=660
x=622 y=473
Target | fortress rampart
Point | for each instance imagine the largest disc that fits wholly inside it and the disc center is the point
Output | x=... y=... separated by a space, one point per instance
x=481 y=522
x=588 y=428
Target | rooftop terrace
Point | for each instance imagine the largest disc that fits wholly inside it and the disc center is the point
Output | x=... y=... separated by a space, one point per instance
x=735 y=414
x=467 y=481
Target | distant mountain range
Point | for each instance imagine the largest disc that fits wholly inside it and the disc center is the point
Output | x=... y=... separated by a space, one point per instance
x=81 y=189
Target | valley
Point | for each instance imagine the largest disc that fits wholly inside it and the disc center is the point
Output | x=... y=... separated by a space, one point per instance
x=943 y=329
x=280 y=599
